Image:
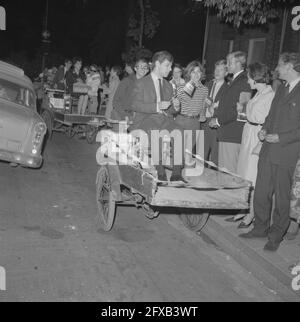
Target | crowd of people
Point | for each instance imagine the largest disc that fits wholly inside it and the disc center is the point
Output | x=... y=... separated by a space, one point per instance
x=101 y=83
x=251 y=123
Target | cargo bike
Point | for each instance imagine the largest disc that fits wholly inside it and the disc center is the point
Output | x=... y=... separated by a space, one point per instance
x=60 y=113
x=133 y=183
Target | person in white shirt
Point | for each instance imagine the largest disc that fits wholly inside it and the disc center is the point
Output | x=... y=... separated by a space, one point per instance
x=217 y=88
x=278 y=157
x=257 y=110
x=94 y=81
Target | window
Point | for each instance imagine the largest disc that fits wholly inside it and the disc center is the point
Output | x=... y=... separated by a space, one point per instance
x=256 y=51
x=16 y=93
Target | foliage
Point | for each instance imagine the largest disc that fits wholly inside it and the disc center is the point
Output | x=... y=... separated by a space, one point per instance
x=135 y=53
x=143 y=22
x=248 y=12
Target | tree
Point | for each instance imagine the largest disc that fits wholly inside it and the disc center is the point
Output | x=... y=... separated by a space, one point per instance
x=143 y=22
x=247 y=12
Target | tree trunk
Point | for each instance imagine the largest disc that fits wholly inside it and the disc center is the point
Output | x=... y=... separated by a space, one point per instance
x=130 y=5
x=142 y=22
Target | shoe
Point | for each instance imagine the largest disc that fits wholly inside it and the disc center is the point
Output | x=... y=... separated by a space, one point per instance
x=253 y=234
x=177 y=177
x=244 y=225
x=292 y=231
x=271 y=246
x=290 y=236
x=235 y=218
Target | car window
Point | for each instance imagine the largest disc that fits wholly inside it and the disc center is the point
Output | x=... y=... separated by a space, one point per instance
x=16 y=93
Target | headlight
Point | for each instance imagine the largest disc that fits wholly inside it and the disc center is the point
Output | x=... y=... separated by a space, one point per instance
x=38 y=135
x=40 y=128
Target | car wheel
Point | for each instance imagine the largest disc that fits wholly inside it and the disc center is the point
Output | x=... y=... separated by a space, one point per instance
x=105 y=200
x=195 y=222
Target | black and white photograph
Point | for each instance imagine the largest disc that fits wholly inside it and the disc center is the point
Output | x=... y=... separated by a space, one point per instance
x=149 y=154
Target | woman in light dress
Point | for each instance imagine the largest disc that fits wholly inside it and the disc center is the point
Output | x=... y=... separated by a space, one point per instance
x=257 y=110
x=295 y=205
x=114 y=81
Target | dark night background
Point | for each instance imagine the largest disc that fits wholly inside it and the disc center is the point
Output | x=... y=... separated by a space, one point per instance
x=96 y=31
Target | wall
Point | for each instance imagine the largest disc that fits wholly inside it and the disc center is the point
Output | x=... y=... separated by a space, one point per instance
x=220 y=34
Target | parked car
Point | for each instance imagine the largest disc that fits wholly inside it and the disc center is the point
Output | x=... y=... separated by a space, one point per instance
x=22 y=130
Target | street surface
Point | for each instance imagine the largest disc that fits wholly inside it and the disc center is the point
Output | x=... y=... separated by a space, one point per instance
x=52 y=249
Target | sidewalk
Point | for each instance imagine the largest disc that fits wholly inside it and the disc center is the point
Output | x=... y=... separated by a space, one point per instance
x=273 y=269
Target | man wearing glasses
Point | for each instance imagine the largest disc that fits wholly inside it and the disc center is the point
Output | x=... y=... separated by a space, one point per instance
x=123 y=97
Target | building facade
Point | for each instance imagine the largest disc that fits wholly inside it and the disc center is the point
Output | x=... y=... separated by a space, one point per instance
x=263 y=43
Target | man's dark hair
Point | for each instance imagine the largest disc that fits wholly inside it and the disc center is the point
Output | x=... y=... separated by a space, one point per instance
x=221 y=62
x=118 y=70
x=141 y=60
x=67 y=60
x=161 y=56
x=76 y=59
x=292 y=58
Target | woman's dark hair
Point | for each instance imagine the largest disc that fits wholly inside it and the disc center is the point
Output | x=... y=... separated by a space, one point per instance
x=179 y=66
x=117 y=69
x=260 y=73
x=190 y=68
x=176 y=65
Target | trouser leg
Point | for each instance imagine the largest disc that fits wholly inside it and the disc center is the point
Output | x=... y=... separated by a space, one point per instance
x=263 y=193
x=229 y=155
x=281 y=219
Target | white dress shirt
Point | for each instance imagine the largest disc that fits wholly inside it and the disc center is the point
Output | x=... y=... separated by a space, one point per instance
x=217 y=85
x=294 y=84
x=157 y=90
x=237 y=74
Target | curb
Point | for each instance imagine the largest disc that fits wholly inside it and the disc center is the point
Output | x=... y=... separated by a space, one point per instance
x=274 y=278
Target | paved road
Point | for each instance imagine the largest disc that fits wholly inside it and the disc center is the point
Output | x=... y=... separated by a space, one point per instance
x=53 y=251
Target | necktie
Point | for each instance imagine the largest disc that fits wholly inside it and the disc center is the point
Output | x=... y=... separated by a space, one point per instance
x=161 y=90
x=287 y=90
x=213 y=91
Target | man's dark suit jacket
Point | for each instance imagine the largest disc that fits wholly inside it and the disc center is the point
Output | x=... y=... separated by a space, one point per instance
x=122 y=101
x=284 y=120
x=59 y=78
x=230 y=129
x=72 y=78
x=221 y=91
x=144 y=104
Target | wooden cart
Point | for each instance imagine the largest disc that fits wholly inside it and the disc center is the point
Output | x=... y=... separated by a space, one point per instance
x=213 y=190
x=59 y=111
